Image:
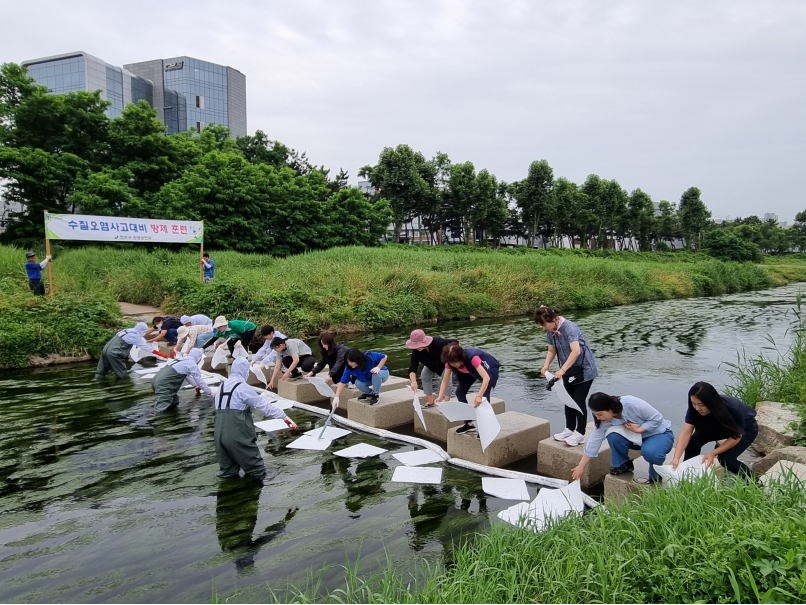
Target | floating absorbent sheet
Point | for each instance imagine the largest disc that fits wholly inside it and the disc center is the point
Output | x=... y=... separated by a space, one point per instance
x=309 y=442
x=419 y=410
x=331 y=432
x=258 y=372
x=418 y=457
x=274 y=424
x=278 y=402
x=456 y=411
x=559 y=390
x=360 y=450
x=486 y=424
x=322 y=387
x=209 y=378
x=417 y=474
x=136 y=353
x=219 y=357
x=689 y=469
x=549 y=504
x=635 y=438
x=506 y=489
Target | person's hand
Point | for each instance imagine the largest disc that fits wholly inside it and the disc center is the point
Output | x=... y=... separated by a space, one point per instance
x=477 y=401
x=328 y=379
x=559 y=373
x=335 y=404
x=709 y=459
x=216 y=345
x=270 y=385
x=576 y=472
x=290 y=423
x=675 y=462
x=48 y=258
x=198 y=391
x=543 y=370
x=632 y=427
x=414 y=385
x=309 y=375
x=286 y=375
x=440 y=399
x=374 y=371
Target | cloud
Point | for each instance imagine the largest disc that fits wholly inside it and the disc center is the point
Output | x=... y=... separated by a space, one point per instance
x=660 y=96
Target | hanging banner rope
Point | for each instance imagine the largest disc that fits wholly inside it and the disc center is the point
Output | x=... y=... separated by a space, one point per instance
x=122 y=229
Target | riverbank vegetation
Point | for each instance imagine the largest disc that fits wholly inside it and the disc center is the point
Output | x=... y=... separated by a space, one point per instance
x=701 y=542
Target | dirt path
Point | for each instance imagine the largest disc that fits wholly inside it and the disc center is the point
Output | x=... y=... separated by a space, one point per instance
x=139 y=312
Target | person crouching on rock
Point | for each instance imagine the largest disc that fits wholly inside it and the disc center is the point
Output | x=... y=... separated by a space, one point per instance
x=469 y=365
x=370 y=372
x=234 y=432
x=293 y=355
x=628 y=423
x=116 y=351
x=169 y=380
x=714 y=417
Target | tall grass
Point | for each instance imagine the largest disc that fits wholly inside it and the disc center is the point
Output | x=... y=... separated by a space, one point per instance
x=775 y=375
x=356 y=288
x=700 y=542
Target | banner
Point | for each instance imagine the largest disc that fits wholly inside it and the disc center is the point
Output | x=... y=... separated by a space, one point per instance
x=122 y=229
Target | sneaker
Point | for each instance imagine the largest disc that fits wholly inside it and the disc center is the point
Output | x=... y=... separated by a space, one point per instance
x=363 y=396
x=564 y=435
x=296 y=373
x=575 y=439
x=466 y=428
x=627 y=467
x=374 y=398
x=351 y=386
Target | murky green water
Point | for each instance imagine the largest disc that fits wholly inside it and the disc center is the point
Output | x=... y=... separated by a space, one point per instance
x=100 y=500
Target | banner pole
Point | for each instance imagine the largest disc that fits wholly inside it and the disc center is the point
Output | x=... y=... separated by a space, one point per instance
x=201 y=260
x=51 y=289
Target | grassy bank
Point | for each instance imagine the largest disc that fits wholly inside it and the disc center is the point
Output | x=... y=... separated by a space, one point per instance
x=357 y=288
x=69 y=324
x=701 y=542
x=776 y=375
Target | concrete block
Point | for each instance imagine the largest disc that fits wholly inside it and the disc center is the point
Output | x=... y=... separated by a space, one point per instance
x=392 y=384
x=438 y=425
x=393 y=409
x=783 y=470
x=773 y=426
x=618 y=487
x=298 y=389
x=792 y=453
x=556 y=459
x=519 y=436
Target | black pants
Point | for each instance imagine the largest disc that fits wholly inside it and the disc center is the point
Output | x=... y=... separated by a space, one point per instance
x=574 y=421
x=37 y=287
x=306 y=362
x=466 y=381
x=730 y=459
x=246 y=340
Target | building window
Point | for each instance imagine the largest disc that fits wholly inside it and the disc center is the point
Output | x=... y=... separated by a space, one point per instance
x=199 y=126
x=199 y=102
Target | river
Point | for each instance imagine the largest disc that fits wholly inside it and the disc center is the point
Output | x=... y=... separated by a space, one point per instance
x=102 y=501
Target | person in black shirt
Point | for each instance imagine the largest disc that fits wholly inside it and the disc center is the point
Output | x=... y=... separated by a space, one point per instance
x=426 y=350
x=333 y=355
x=714 y=417
x=166 y=328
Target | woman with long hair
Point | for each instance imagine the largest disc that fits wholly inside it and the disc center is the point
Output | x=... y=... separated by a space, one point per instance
x=469 y=365
x=714 y=417
x=577 y=368
x=628 y=423
x=370 y=372
x=333 y=355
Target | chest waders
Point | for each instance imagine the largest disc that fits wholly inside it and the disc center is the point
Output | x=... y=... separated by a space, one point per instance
x=235 y=439
x=113 y=358
x=166 y=385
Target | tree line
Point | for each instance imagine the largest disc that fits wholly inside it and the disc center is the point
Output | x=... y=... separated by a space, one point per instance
x=62 y=153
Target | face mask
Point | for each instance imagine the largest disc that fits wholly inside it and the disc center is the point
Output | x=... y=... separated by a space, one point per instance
x=158 y=326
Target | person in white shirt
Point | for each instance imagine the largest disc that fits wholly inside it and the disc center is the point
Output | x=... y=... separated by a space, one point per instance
x=196 y=320
x=265 y=355
x=169 y=380
x=294 y=355
x=116 y=351
x=234 y=432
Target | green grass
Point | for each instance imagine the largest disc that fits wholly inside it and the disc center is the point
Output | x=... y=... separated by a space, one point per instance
x=700 y=542
x=354 y=288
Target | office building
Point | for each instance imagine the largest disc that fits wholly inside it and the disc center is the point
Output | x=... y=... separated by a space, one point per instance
x=82 y=71
x=187 y=93
x=190 y=93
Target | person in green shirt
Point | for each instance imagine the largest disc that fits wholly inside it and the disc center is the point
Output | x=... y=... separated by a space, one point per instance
x=234 y=330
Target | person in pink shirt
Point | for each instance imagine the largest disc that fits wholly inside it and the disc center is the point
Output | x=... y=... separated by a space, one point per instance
x=469 y=365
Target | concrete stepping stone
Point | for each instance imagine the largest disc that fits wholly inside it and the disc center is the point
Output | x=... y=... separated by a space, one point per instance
x=519 y=436
x=393 y=409
x=438 y=425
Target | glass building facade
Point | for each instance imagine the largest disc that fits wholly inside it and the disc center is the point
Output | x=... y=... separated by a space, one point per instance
x=188 y=93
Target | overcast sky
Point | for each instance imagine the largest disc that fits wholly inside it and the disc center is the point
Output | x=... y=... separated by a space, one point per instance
x=657 y=95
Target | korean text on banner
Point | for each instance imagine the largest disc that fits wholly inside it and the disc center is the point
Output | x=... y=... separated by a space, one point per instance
x=122 y=229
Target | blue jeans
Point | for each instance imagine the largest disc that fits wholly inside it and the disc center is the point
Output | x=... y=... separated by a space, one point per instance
x=653 y=449
x=202 y=339
x=377 y=380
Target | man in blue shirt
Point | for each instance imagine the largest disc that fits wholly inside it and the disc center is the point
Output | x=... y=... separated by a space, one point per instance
x=209 y=268
x=34 y=271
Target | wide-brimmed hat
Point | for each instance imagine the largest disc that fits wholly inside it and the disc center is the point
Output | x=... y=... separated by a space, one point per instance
x=182 y=332
x=220 y=322
x=418 y=339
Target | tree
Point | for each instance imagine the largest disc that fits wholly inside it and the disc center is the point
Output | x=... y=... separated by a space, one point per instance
x=640 y=215
x=258 y=149
x=725 y=245
x=398 y=176
x=352 y=220
x=667 y=224
x=694 y=217
x=534 y=197
x=573 y=216
x=107 y=193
